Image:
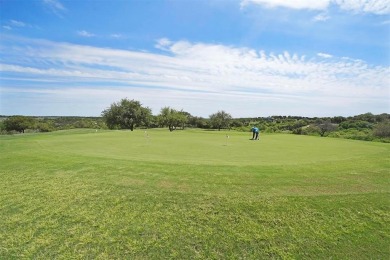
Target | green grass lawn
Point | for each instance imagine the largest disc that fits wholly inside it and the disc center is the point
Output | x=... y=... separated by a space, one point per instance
x=192 y=194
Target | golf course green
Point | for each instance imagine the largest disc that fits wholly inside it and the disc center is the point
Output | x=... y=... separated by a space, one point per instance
x=155 y=194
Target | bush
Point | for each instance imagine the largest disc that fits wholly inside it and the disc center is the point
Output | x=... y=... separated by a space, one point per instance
x=356 y=124
x=44 y=127
x=364 y=135
x=382 y=130
x=310 y=130
x=242 y=129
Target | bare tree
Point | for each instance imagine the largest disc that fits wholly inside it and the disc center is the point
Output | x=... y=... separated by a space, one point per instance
x=326 y=127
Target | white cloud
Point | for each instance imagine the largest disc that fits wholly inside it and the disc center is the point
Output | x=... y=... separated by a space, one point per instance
x=385 y=22
x=324 y=55
x=203 y=77
x=55 y=6
x=163 y=43
x=117 y=36
x=17 y=23
x=379 y=7
x=12 y=24
x=84 y=33
x=298 y=4
x=321 y=17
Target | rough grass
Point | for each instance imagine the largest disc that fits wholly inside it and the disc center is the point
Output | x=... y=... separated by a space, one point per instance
x=192 y=194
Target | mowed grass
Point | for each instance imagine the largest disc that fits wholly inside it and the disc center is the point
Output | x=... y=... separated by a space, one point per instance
x=192 y=194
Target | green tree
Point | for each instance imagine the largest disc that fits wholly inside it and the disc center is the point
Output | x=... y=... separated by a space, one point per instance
x=18 y=123
x=166 y=117
x=369 y=117
x=199 y=122
x=172 y=118
x=126 y=114
x=221 y=119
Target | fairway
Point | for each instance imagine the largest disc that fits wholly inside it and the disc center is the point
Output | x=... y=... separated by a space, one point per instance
x=157 y=194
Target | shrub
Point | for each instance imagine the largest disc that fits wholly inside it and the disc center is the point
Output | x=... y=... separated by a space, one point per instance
x=356 y=124
x=310 y=130
x=382 y=130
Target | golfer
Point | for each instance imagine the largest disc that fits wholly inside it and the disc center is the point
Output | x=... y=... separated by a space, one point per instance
x=255 y=133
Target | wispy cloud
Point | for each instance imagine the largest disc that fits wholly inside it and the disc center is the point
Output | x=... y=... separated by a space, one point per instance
x=84 y=33
x=321 y=17
x=12 y=24
x=379 y=7
x=387 y=22
x=17 y=23
x=55 y=6
x=298 y=4
x=117 y=36
x=199 y=74
x=163 y=44
x=324 y=55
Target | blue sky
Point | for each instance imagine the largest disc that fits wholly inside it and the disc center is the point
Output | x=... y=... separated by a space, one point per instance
x=247 y=57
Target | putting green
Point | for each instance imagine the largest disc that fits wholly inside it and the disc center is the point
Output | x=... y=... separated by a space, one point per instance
x=205 y=147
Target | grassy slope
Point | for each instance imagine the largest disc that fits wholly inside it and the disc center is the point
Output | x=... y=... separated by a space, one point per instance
x=116 y=194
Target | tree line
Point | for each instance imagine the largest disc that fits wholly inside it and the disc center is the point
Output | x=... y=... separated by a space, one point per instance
x=22 y=124
x=131 y=114
x=127 y=114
